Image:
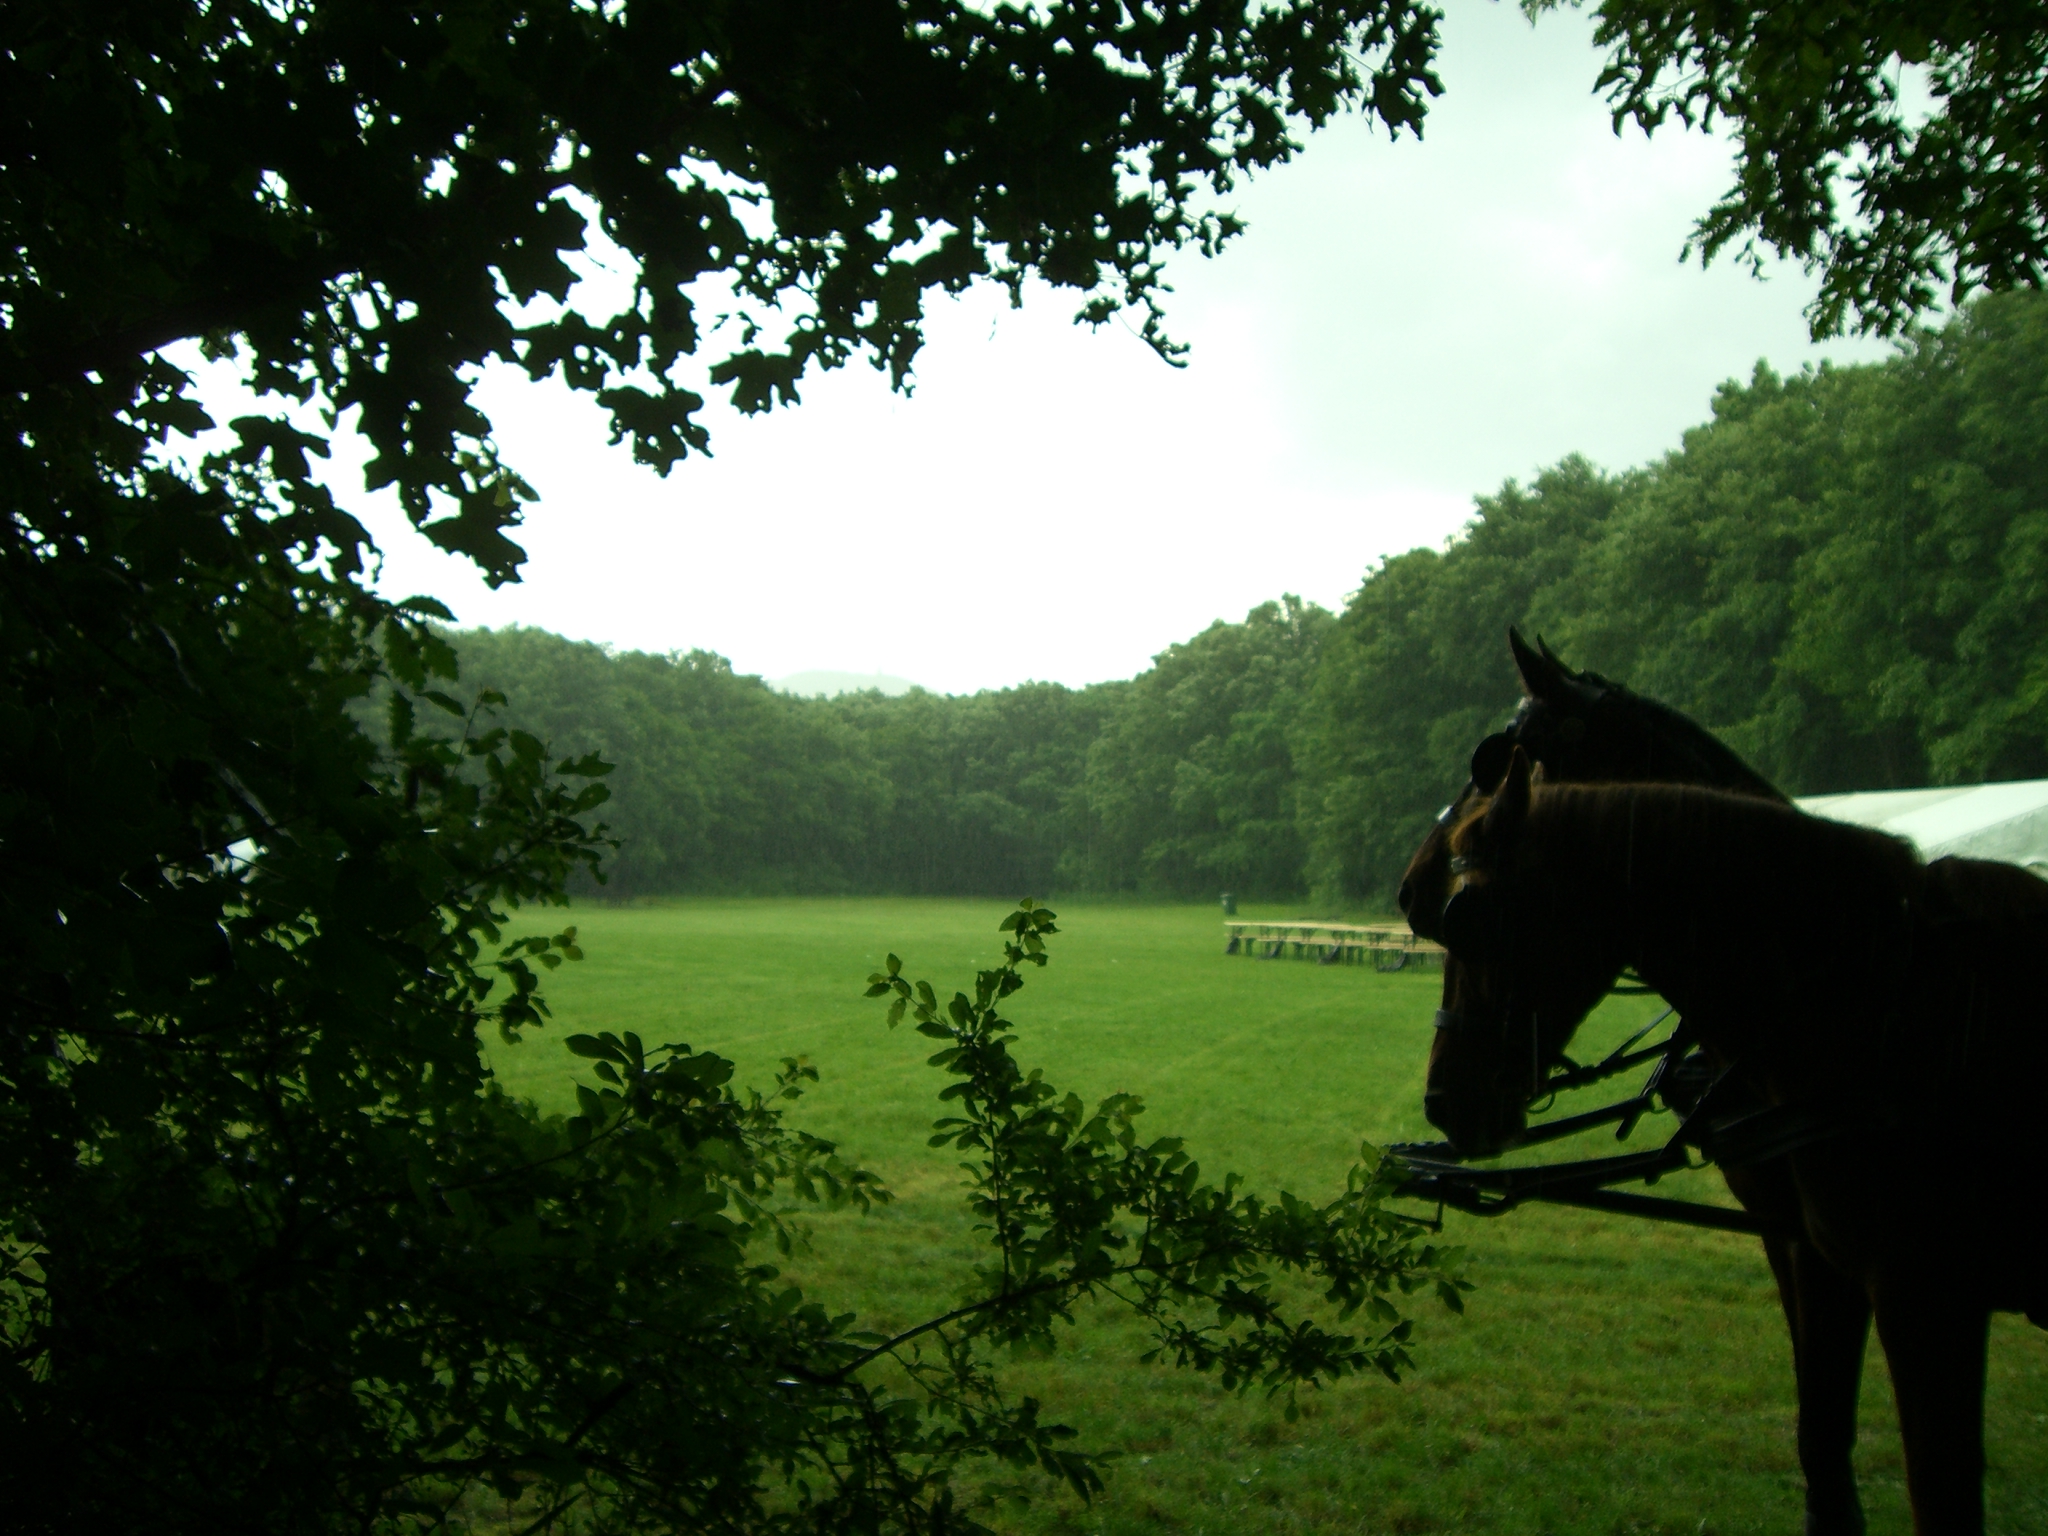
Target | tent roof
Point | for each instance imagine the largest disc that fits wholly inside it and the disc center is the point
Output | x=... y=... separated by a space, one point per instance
x=1980 y=821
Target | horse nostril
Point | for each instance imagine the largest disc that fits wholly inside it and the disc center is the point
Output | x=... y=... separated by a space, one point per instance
x=1406 y=895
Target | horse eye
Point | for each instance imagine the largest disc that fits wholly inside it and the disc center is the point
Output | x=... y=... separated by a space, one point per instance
x=1490 y=761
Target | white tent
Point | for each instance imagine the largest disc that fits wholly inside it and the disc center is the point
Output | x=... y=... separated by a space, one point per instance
x=1979 y=821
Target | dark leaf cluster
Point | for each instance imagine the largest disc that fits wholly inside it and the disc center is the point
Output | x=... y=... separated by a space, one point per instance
x=1894 y=147
x=275 y=1254
x=371 y=200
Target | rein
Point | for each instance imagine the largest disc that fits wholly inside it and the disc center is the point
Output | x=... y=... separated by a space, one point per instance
x=1436 y=1171
x=1621 y=1059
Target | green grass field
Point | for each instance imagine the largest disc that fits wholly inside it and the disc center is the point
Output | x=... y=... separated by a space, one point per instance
x=1608 y=1376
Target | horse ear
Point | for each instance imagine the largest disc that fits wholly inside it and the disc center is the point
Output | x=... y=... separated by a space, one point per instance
x=1545 y=675
x=1540 y=673
x=1510 y=805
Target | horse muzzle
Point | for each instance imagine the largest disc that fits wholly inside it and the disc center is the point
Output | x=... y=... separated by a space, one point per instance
x=1472 y=1124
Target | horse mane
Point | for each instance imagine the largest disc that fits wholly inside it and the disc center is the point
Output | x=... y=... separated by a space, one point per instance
x=1826 y=956
x=1721 y=767
x=1728 y=847
x=1705 y=757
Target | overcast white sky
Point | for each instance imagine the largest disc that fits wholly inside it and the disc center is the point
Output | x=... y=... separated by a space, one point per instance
x=1403 y=327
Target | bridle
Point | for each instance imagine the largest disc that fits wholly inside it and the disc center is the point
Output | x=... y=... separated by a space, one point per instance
x=1458 y=1024
x=1489 y=765
x=1544 y=1081
x=1599 y=699
x=1681 y=1074
x=1460 y=894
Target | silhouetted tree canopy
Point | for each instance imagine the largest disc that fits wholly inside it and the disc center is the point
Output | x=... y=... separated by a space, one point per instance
x=1896 y=148
x=275 y=1255
x=371 y=199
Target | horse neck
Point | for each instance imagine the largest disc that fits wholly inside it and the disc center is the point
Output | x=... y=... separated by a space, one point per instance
x=1632 y=739
x=1639 y=866
x=1740 y=913
x=1681 y=751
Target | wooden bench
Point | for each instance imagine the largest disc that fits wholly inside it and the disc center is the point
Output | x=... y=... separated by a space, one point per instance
x=1385 y=946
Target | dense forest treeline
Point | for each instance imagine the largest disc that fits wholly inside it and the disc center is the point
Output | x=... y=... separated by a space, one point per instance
x=1844 y=573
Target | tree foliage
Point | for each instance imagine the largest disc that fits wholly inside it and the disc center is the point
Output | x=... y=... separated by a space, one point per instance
x=1077 y=1206
x=274 y=1255
x=1842 y=573
x=1416 y=670
x=1180 y=782
x=1190 y=786
x=985 y=793
x=374 y=199
x=1858 y=598
x=722 y=784
x=1895 y=148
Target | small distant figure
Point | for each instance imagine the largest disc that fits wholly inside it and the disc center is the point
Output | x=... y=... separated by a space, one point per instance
x=1229 y=905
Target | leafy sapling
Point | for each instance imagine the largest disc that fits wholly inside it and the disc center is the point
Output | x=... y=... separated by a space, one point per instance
x=1077 y=1206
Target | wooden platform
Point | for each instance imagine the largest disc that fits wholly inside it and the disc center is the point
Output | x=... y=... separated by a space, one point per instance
x=1384 y=946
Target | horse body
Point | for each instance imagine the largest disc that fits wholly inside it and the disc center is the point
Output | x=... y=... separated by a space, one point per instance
x=1580 y=727
x=1847 y=1010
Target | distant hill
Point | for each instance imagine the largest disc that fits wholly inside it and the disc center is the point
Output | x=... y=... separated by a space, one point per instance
x=829 y=685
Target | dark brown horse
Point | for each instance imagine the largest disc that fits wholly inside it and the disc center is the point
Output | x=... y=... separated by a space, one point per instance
x=1580 y=727
x=1902 y=1011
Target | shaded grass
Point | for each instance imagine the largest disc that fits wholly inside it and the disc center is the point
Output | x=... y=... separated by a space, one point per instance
x=1610 y=1375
